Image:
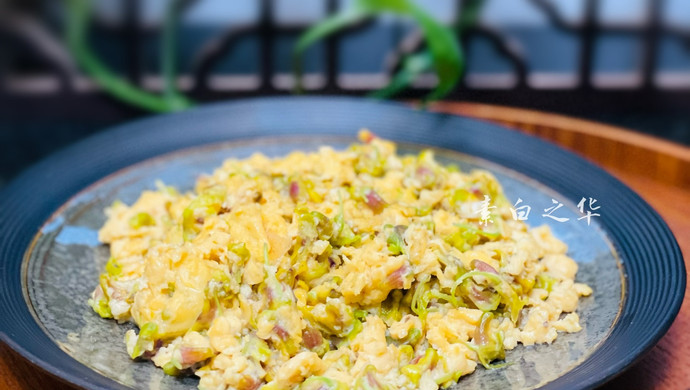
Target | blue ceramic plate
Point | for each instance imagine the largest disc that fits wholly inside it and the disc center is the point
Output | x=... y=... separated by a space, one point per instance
x=50 y=256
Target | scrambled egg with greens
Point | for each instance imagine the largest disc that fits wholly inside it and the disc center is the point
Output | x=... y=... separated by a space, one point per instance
x=333 y=270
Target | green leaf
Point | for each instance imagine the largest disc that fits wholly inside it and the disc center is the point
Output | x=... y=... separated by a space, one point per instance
x=322 y=30
x=445 y=52
x=78 y=14
x=413 y=66
x=443 y=47
x=168 y=55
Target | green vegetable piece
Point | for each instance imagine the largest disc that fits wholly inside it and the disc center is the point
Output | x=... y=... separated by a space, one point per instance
x=237 y=269
x=162 y=188
x=208 y=203
x=113 y=268
x=117 y=203
x=415 y=371
x=460 y=195
x=446 y=297
x=171 y=289
x=318 y=294
x=426 y=172
x=426 y=156
x=316 y=271
x=172 y=368
x=462 y=240
x=508 y=294
x=406 y=353
x=221 y=287
x=278 y=292
x=240 y=249
x=413 y=337
x=420 y=299
x=486 y=344
x=360 y=314
x=101 y=307
x=141 y=219
x=423 y=211
x=369 y=380
x=525 y=284
x=149 y=330
x=313 y=195
x=369 y=160
x=335 y=319
x=449 y=379
x=468 y=235
x=545 y=281
x=321 y=383
x=147 y=334
x=483 y=298
x=321 y=348
x=314 y=225
x=396 y=244
x=356 y=329
x=257 y=349
x=390 y=308
x=343 y=234
x=452 y=168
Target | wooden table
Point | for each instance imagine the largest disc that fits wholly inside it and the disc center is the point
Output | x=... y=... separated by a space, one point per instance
x=657 y=170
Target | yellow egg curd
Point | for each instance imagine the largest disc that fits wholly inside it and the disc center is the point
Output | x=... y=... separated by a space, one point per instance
x=333 y=270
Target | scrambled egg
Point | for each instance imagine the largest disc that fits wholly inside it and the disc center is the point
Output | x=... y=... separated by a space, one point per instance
x=333 y=270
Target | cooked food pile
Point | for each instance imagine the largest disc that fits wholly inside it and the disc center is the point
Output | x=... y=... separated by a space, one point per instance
x=333 y=270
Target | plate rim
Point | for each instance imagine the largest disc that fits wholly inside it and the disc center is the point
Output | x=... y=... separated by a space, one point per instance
x=328 y=140
x=66 y=154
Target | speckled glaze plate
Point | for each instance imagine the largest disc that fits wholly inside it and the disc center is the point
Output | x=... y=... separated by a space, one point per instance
x=50 y=257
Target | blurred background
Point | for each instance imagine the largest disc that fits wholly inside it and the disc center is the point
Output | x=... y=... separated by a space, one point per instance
x=70 y=68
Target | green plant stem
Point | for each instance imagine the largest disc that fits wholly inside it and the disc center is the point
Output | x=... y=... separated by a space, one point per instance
x=442 y=46
x=169 y=56
x=318 y=32
x=78 y=12
x=413 y=65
